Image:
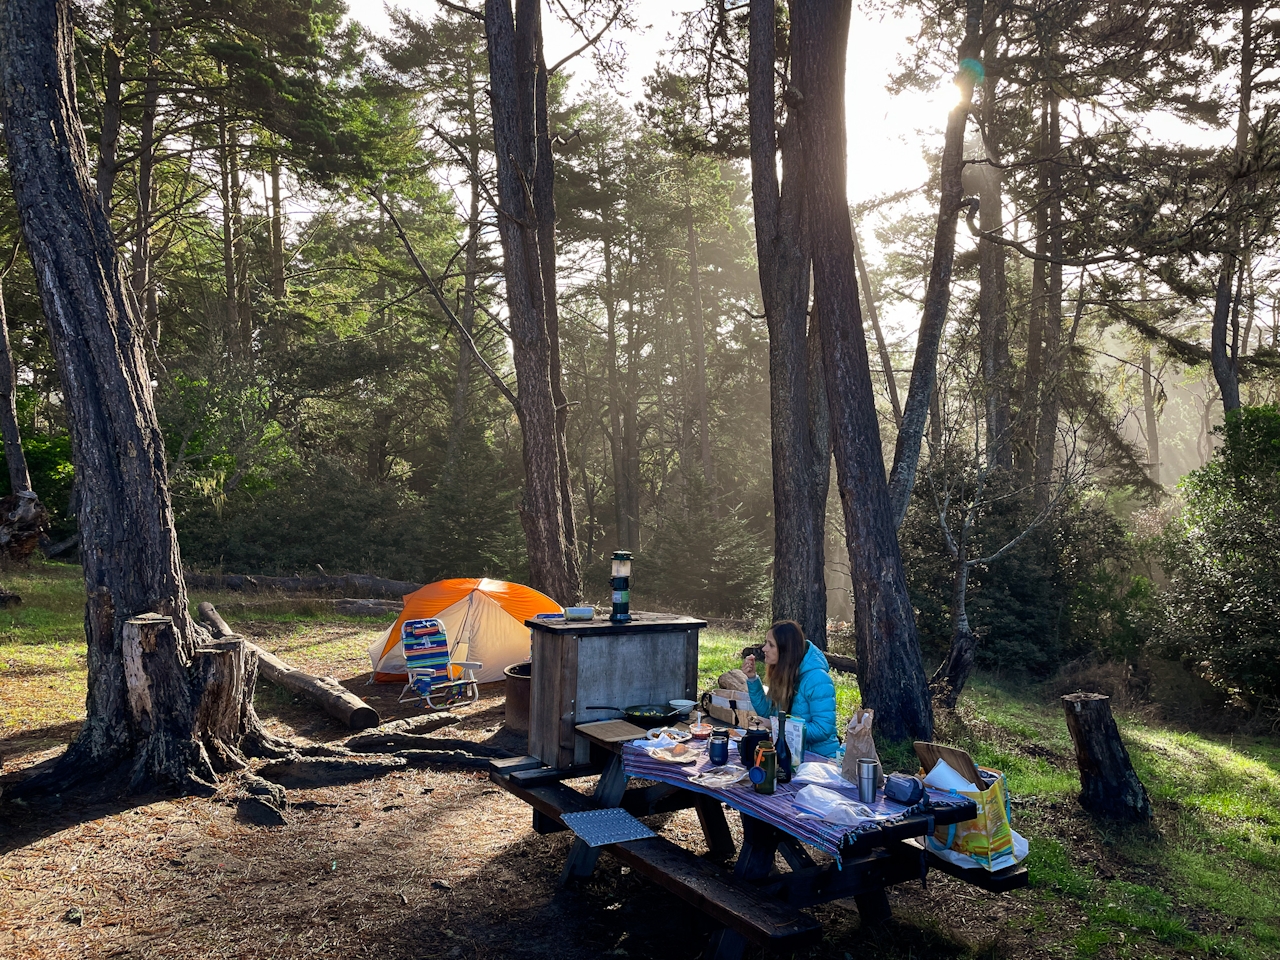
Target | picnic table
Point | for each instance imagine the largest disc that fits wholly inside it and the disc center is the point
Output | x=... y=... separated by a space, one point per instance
x=755 y=902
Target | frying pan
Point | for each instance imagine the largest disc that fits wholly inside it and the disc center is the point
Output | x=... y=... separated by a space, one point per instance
x=647 y=715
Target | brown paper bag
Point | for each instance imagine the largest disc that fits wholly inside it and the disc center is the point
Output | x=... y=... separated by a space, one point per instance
x=859 y=745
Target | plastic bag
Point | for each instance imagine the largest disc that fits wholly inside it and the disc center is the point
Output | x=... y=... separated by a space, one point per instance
x=823 y=774
x=823 y=804
x=859 y=745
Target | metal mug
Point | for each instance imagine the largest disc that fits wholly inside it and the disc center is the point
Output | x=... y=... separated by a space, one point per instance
x=868 y=777
x=718 y=747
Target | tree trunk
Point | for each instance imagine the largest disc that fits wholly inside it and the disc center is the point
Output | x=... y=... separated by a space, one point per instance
x=1109 y=786
x=529 y=16
x=937 y=295
x=517 y=89
x=698 y=331
x=112 y=90
x=993 y=283
x=231 y=294
x=143 y=283
x=1149 y=412
x=1223 y=356
x=800 y=442
x=949 y=679
x=1033 y=371
x=1054 y=352
x=891 y=676
x=19 y=477
x=868 y=297
x=141 y=715
x=621 y=478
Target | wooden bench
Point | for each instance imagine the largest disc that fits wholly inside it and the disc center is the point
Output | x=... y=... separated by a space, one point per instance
x=743 y=908
x=999 y=881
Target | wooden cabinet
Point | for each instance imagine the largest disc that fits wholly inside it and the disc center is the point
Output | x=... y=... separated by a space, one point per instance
x=581 y=669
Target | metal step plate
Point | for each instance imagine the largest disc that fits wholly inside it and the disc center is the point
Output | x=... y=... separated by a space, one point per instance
x=612 y=825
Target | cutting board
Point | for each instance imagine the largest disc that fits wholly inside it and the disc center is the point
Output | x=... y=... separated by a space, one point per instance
x=957 y=759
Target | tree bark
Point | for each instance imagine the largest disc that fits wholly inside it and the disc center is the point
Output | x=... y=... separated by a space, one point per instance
x=144 y=291
x=112 y=90
x=891 y=676
x=868 y=297
x=1149 y=413
x=800 y=441
x=953 y=673
x=517 y=86
x=937 y=296
x=698 y=331
x=1054 y=352
x=1033 y=370
x=1109 y=785
x=98 y=342
x=1224 y=356
x=15 y=459
x=993 y=283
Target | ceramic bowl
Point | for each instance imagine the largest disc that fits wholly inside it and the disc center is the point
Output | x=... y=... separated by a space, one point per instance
x=685 y=707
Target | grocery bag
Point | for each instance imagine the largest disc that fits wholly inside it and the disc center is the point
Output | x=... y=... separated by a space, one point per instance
x=988 y=840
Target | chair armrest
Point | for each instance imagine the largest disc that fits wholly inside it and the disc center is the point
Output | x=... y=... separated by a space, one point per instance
x=466 y=664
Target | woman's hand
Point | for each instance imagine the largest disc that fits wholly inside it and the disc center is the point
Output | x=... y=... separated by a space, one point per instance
x=749 y=667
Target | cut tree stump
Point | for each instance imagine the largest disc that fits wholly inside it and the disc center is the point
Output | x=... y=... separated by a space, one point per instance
x=1109 y=786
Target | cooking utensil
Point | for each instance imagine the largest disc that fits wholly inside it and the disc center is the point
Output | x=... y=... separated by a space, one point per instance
x=646 y=715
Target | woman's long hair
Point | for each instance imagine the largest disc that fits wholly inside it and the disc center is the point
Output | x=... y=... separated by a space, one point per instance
x=785 y=674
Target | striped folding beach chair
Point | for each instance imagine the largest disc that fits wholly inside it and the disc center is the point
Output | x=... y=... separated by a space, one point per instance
x=433 y=678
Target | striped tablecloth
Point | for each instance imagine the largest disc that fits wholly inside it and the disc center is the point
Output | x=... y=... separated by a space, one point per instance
x=778 y=808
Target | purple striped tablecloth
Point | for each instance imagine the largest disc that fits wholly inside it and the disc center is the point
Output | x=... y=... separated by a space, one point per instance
x=777 y=809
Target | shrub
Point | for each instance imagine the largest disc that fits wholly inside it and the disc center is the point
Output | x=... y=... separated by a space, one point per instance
x=1221 y=607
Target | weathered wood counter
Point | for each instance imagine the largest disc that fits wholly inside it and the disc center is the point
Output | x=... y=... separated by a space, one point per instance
x=588 y=670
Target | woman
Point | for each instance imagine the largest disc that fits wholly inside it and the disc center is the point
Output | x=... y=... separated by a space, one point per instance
x=798 y=684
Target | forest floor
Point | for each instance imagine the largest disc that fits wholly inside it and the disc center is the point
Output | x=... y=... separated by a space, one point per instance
x=440 y=863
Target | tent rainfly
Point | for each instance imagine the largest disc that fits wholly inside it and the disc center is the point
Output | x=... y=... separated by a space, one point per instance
x=484 y=620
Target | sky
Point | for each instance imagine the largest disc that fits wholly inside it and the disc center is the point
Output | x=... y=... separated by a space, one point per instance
x=888 y=153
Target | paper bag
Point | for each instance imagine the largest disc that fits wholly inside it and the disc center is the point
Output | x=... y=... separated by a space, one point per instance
x=988 y=840
x=859 y=745
x=728 y=706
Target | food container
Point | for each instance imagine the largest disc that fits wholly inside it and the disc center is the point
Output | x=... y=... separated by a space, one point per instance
x=700 y=731
x=579 y=613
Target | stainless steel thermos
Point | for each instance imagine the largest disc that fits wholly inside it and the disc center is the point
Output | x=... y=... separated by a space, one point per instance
x=868 y=776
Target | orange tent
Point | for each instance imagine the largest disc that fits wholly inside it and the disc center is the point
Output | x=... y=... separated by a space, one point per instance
x=483 y=619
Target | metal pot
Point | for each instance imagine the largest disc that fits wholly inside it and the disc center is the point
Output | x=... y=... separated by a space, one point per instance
x=647 y=715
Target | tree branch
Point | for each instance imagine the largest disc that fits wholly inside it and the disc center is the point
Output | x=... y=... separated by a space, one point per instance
x=463 y=333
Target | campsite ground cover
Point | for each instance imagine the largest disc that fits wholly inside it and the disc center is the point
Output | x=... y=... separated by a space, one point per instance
x=439 y=863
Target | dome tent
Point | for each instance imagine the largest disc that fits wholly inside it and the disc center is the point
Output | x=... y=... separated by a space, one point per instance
x=483 y=619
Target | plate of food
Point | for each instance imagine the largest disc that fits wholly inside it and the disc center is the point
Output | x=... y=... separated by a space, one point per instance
x=671 y=733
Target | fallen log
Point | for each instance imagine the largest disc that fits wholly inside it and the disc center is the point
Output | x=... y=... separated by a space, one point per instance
x=336 y=700
x=348 y=585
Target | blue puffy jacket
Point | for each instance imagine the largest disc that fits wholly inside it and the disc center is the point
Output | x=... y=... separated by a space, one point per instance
x=814 y=702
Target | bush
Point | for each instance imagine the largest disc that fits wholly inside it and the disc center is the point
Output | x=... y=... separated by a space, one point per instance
x=1221 y=607
x=1065 y=591
x=325 y=515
